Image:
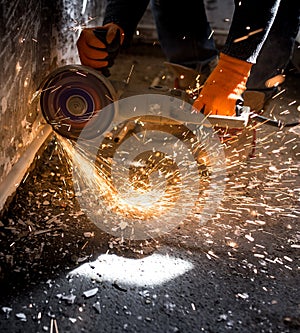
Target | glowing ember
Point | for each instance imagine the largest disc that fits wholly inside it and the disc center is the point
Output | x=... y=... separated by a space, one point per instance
x=146 y=185
x=148 y=174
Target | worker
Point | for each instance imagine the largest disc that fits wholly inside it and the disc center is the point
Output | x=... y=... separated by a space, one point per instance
x=185 y=38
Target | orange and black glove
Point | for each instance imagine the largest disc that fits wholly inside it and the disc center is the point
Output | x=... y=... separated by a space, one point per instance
x=223 y=89
x=98 y=47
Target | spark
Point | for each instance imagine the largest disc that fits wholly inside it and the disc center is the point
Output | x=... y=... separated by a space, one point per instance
x=81 y=25
x=250 y=238
x=84 y=3
x=258 y=255
x=109 y=98
x=289 y=141
x=279 y=93
x=18 y=67
x=130 y=74
x=84 y=245
x=26 y=82
x=292 y=103
x=81 y=73
x=295 y=246
x=53 y=326
x=232 y=244
x=135 y=203
x=256 y=222
x=259 y=191
x=150 y=193
x=248 y=35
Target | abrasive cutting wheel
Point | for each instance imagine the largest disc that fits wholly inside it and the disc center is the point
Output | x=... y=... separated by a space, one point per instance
x=71 y=98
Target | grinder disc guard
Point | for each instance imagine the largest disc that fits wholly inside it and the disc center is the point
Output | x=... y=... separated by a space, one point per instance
x=71 y=98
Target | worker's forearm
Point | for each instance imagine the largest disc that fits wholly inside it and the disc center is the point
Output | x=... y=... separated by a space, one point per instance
x=251 y=22
x=125 y=13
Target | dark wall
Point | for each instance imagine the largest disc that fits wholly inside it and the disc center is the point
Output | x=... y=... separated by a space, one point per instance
x=36 y=36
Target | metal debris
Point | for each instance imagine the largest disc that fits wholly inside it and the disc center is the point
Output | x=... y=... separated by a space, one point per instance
x=73 y=320
x=53 y=326
x=7 y=310
x=70 y=299
x=89 y=234
x=118 y=287
x=91 y=292
x=21 y=316
x=97 y=307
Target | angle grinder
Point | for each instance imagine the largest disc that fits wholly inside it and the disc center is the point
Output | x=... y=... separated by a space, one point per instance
x=73 y=97
x=76 y=97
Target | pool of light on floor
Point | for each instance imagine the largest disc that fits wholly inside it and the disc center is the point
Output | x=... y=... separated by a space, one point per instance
x=152 y=270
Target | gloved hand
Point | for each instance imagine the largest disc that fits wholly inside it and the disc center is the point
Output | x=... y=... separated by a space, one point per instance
x=224 y=87
x=98 y=47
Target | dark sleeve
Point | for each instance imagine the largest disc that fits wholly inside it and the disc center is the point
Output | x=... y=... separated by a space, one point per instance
x=125 y=13
x=251 y=22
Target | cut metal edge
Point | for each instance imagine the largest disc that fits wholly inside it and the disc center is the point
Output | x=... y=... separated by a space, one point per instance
x=14 y=178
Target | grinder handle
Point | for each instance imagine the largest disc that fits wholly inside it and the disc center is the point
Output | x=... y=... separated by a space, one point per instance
x=239 y=105
x=111 y=48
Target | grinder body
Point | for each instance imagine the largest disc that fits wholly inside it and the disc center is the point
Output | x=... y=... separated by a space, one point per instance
x=76 y=97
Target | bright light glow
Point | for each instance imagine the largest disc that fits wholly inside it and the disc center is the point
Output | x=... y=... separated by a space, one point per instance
x=84 y=3
x=18 y=67
x=152 y=270
x=146 y=174
x=26 y=82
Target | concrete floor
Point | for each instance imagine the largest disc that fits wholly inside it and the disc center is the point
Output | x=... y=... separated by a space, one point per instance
x=238 y=272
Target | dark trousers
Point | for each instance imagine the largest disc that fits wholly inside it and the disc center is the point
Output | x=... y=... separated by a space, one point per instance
x=186 y=37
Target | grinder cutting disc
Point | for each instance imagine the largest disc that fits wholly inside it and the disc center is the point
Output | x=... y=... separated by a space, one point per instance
x=73 y=97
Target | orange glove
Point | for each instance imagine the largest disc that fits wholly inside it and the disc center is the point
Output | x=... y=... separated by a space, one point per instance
x=224 y=87
x=97 y=47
